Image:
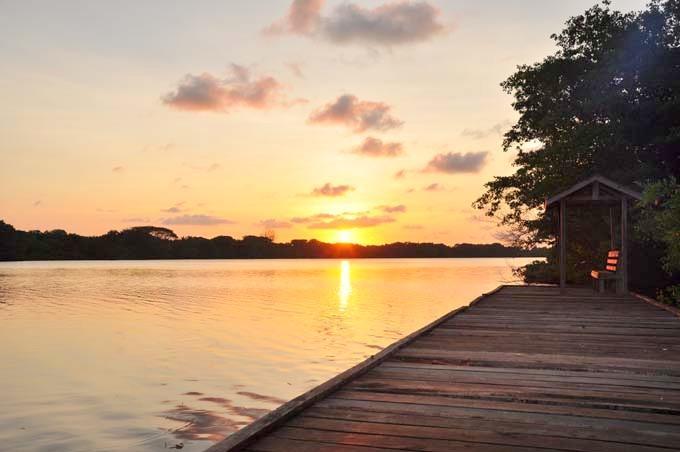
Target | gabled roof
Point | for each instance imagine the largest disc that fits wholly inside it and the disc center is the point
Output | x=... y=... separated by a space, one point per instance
x=610 y=184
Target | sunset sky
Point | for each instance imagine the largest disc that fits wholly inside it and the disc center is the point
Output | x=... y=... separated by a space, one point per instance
x=367 y=121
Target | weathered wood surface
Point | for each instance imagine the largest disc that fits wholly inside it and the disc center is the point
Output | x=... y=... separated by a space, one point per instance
x=524 y=368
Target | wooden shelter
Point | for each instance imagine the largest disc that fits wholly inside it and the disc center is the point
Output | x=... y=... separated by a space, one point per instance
x=600 y=191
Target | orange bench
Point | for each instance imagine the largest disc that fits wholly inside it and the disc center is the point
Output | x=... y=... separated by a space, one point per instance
x=610 y=273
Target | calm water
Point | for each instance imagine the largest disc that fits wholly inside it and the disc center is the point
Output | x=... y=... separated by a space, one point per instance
x=140 y=355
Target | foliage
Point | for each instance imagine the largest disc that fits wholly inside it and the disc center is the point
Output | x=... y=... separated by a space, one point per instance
x=660 y=222
x=608 y=102
x=150 y=242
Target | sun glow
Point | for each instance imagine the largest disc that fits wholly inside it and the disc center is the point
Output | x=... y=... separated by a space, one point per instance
x=344 y=237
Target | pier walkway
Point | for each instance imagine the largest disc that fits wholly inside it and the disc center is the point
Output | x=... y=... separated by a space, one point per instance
x=521 y=369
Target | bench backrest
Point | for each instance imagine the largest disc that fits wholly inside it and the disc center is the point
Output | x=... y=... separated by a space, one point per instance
x=612 y=260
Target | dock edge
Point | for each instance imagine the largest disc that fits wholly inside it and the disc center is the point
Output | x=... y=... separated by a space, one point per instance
x=276 y=417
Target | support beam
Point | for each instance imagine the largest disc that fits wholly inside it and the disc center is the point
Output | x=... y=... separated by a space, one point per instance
x=563 y=244
x=623 y=257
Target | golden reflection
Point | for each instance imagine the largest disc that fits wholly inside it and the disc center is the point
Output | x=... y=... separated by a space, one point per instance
x=345 y=289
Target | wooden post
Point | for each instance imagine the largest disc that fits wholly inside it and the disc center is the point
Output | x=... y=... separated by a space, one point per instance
x=623 y=258
x=563 y=245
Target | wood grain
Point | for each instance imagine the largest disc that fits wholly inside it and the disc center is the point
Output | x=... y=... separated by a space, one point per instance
x=522 y=368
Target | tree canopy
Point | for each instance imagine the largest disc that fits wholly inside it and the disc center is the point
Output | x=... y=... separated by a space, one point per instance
x=151 y=242
x=608 y=102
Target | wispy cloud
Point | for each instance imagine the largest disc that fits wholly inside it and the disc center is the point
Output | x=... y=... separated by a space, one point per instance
x=118 y=169
x=135 y=220
x=328 y=189
x=470 y=162
x=413 y=226
x=177 y=208
x=206 y=92
x=296 y=69
x=434 y=187
x=356 y=114
x=207 y=168
x=390 y=24
x=400 y=174
x=393 y=209
x=496 y=129
x=160 y=148
x=196 y=220
x=363 y=221
x=37 y=203
x=375 y=147
x=275 y=224
x=312 y=218
x=349 y=220
x=343 y=221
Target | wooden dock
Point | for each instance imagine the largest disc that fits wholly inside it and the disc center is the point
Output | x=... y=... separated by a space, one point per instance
x=521 y=369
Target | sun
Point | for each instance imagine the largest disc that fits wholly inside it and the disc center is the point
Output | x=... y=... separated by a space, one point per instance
x=344 y=236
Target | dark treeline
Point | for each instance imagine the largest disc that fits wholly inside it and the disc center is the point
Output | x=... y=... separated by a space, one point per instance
x=150 y=242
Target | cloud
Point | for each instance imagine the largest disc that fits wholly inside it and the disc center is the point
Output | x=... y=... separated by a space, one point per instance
x=470 y=162
x=434 y=187
x=392 y=23
x=400 y=174
x=196 y=220
x=303 y=18
x=393 y=209
x=161 y=148
x=37 y=203
x=118 y=169
x=363 y=221
x=177 y=208
x=343 y=221
x=309 y=219
x=207 y=168
x=413 y=226
x=332 y=190
x=374 y=147
x=135 y=220
x=350 y=220
x=275 y=224
x=478 y=134
x=296 y=69
x=206 y=92
x=356 y=114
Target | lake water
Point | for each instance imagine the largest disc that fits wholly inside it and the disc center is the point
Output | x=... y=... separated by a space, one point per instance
x=143 y=355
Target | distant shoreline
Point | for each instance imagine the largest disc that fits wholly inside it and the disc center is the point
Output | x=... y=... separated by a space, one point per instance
x=154 y=243
x=266 y=259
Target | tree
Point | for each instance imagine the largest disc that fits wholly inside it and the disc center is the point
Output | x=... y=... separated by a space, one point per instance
x=660 y=222
x=607 y=101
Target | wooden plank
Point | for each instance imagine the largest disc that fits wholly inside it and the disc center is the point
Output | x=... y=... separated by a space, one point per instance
x=430 y=402
x=276 y=417
x=393 y=442
x=541 y=361
x=642 y=380
x=553 y=395
x=454 y=432
x=603 y=433
x=523 y=368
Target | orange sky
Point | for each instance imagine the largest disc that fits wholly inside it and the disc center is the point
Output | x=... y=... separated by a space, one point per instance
x=316 y=119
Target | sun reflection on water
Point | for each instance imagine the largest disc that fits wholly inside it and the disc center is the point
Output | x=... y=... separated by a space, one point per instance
x=345 y=289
